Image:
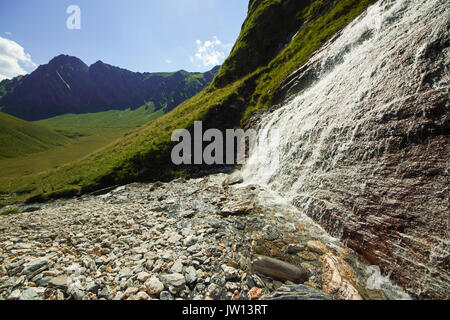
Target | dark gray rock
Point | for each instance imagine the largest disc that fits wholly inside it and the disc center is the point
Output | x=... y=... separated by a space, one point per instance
x=165 y=295
x=39 y=264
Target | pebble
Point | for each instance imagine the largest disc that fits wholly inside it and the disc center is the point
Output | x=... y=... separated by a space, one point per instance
x=143 y=276
x=142 y=296
x=230 y=272
x=255 y=293
x=58 y=282
x=29 y=294
x=176 y=280
x=165 y=295
x=190 y=275
x=190 y=240
x=130 y=292
x=177 y=267
x=154 y=286
x=104 y=293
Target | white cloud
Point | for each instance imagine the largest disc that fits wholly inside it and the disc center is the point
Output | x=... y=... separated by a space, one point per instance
x=13 y=59
x=168 y=61
x=8 y=33
x=210 y=52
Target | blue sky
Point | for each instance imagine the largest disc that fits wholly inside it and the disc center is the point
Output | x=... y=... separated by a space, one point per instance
x=139 y=35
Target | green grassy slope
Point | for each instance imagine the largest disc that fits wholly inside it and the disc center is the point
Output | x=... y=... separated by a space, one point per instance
x=19 y=137
x=90 y=133
x=144 y=154
x=73 y=125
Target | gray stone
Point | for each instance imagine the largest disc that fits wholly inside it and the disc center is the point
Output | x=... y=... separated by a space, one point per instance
x=165 y=295
x=194 y=248
x=190 y=240
x=77 y=294
x=92 y=287
x=269 y=233
x=176 y=280
x=29 y=294
x=177 y=267
x=105 y=293
x=190 y=275
x=293 y=248
x=278 y=270
x=43 y=281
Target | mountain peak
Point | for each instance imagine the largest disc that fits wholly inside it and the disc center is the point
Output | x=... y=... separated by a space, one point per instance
x=98 y=63
x=66 y=59
x=215 y=69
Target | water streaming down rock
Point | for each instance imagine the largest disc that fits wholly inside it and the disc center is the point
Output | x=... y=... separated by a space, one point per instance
x=361 y=141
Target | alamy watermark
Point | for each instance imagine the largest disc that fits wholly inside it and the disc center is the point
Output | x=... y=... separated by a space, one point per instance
x=73 y=22
x=231 y=149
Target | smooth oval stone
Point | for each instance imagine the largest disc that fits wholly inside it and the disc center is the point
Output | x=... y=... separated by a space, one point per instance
x=278 y=269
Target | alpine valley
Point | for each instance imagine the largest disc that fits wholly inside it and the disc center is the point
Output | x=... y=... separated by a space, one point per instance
x=345 y=195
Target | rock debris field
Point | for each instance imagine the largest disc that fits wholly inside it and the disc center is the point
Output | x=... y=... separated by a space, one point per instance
x=186 y=239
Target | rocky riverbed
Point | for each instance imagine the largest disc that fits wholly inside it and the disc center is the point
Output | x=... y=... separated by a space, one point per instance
x=193 y=239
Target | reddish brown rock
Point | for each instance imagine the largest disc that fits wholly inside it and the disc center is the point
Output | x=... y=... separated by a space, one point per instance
x=338 y=278
x=317 y=246
x=255 y=293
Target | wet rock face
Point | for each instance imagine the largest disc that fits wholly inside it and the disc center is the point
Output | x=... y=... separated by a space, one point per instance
x=393 y=209
x=364 y=142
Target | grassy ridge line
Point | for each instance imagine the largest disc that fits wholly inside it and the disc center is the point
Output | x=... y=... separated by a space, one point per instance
x=145 y=153
x=19 y=137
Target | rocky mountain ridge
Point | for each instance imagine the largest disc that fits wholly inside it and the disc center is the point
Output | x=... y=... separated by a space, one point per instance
x=67 y=85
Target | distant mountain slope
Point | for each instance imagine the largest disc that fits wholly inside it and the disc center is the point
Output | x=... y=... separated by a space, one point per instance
x=19 y=137
x=67 y=85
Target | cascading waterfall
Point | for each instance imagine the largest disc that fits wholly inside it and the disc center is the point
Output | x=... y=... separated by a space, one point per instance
x=314 y=129
x=322 y=141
